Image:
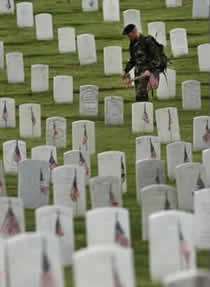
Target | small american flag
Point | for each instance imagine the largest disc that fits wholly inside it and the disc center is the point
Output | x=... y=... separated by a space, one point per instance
x=85 y=136
x=10 y=225
x=112 y=200
x=145 y=116
x=54 y=131
x=33 y=119
x=200 y=184
x=17 y=154
x=152 y=150
x=52 y=162
x=186 y=157
x=44 y=188
x=82 y=162
x=115 y=274
x=5 y=114
x=120 y=236
x=185 y=252
x=75 y=190
x=170 y=122
x=167 y=205
x=123 y=175
x=58 y=227
x=206 y=136
x=47 y=276
x=157 y=177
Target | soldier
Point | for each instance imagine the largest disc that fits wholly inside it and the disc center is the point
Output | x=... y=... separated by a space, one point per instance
x=145 y=57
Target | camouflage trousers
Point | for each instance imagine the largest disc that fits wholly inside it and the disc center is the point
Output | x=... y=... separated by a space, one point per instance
x=141 y=90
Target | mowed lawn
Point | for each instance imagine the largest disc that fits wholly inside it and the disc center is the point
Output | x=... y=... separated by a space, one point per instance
x=69 y=13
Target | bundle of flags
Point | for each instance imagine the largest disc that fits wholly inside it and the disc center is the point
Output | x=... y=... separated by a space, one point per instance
x=47 y=275
x=17 y=154
x=152 y=150
x=44 y=188
x=54 y=131
x=206 y=136
x=185 y=251
x=75 y=190
x=58 y=227
x=123 y=175
x=120 y=236
x=10 y=225
x=169 y=120
x=153 y=82
x=5 y=114
x=52 y=162
x=145 y=116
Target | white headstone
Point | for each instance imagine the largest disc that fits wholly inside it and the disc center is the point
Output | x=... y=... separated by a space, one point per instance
x=114 y=110
x=83 y=136
x=201 y=133
x=1 y=55
x=190 y=177
x=200 y=9
x=158 y=31
x=132 y=16
x=203 y=55
x=113 y=163
x=56 y=132
x=106 y=191
x=167 y=124
x=3 y=189
x=191 y=95
x=179 y=43
x=15 y=67
x=108 y=226
x=148 y=147
x=111 y=10
x=66 y=40
x=201 y=222
x=142 y=117
x=34 y=259
x=88 y=101
x=149 y=171
x=104 y=266
x=25 y=14
x=113 y=60
x=69 y=188
x=89 y=5
x=12 y=220
x=58 y=221
x=86 y=49
x=167 y=85
x=173 y=3
x=30 y=120
x=191 y=278
x=206 y=163
x=46 y=153
x=171 y=242
x=14 y=151
x=80 y=158
x=177 y=153
x=44 y=26
x=7 y=7
x=63 y=89
x=154 y=198
x=33 y=183
x=7 y=113
x=39 y=78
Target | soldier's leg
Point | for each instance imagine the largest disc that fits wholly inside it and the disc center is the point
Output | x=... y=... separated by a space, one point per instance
x=141 y=90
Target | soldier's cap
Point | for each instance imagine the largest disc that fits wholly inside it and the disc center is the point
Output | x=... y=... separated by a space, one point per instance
x=129 y=28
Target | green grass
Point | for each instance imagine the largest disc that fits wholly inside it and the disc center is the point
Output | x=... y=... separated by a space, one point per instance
x=68 y=13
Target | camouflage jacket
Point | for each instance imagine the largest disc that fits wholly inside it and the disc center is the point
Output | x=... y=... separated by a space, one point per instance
x=143 y=55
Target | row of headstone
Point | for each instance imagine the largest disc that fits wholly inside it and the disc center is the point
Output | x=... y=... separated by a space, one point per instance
x=104 y=265
x=32 y=259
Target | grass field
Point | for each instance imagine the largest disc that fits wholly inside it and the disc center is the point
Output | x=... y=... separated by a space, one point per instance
x=107 y=138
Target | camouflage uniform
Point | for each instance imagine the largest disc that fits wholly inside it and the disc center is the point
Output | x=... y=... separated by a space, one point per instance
x=144 y=56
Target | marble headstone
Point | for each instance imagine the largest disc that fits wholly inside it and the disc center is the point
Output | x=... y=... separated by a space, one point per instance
x=86 y=49
x=7 y=113
x=203 y=55
x=25 y=14
x=206 y=163
x=201 y=133
x=179 y=43
x=142 y=117
x=158 y=31
x=66 y=40
x=191 y=95
x=15 y=67
x=89 y=5
x=56 y=132
x=113 y=60
x=63 y=89
x=173 y=3
x=44 y=26
x=111 y=10
x=148 y=147
x=167 y=85
x=1 y=55
x=200 y=9
x=3 y=188
x=39 y=78
x=88 y=101
x=132 y=16
x=114 y=110
x=7 y=7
